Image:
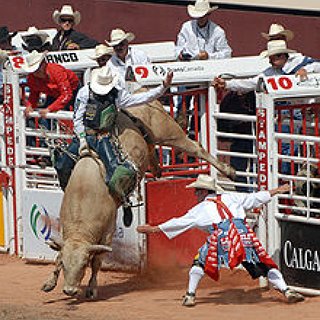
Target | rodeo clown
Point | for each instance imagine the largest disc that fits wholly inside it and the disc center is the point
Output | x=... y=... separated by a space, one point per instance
x=231 y=242
x=97 y=105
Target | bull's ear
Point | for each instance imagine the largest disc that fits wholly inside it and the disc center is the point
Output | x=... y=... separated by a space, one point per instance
x=99 y=248
x=55 y=243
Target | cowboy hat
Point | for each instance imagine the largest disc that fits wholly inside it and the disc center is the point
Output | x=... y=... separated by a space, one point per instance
x=35 y=43
x=32 y=61
x=118 y=35
x=66 y=10
x=275 y=47
x=200 y=9
x=33 y=32
x=102 y=50
x=205 y=181
x=278 y=30
x=102 y=80
x=5 y=34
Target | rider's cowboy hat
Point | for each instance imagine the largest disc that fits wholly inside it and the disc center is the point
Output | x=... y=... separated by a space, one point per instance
x=5 y=34
x=102 y=50
x=32 y=61
x=275 y=47
x=66 y=10
x=102 y=80
x=118 y=35
x=278 y=30
x=200 y=9
x=205 y=181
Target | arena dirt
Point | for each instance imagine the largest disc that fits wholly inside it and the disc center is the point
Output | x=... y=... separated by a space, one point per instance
x=155 y=295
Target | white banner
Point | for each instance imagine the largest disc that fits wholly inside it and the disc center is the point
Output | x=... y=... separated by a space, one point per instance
x=41 y=218
x=289 y=85
x=70 y=59
x=40 y=214
x=200 y=71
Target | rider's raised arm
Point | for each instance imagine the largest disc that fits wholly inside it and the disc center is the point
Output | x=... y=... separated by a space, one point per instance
x=125 y=99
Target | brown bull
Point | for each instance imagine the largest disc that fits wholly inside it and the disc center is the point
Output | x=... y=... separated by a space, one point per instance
x=88 y=211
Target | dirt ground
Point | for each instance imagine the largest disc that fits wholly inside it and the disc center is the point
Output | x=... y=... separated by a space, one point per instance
x=152 y=296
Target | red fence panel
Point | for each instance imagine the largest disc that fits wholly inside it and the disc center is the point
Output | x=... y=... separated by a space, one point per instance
x=167 y=199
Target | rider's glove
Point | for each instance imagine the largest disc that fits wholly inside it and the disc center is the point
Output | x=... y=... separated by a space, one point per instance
x=83 y=142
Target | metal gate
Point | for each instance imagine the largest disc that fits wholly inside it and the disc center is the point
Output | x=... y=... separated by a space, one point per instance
x=288 y=149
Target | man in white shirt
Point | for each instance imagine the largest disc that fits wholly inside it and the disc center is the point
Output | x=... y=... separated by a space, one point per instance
x=124 y=56
x=200 y=38
x=281 y=63
x=232 y=242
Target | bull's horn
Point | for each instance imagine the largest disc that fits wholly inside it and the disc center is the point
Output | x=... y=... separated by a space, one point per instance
x=99 y=248
x=55 y=243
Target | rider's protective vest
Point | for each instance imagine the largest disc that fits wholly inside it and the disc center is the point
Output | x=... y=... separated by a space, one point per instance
x=101 y=111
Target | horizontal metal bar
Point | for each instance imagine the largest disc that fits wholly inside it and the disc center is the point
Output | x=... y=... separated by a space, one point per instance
x=298 y=159
x=291 y=136
x=282 y=206
x=41 y=134
x=237 y=154
x=236 y=117
x=293 y=218
x=59 y=115
x=297 y=197
x=235 y=135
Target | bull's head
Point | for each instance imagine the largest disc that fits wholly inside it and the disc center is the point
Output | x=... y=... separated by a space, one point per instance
x=75 y=257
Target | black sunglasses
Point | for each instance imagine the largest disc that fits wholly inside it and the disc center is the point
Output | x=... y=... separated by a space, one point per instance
x=63 y=20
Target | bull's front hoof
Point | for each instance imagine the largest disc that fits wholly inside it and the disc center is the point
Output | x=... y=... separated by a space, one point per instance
x=91 y=293
x=48 y=286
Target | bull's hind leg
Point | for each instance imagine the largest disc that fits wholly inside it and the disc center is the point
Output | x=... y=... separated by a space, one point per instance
x=51 y=283
x=92 y=291
x=168 y=133
x=193 y=148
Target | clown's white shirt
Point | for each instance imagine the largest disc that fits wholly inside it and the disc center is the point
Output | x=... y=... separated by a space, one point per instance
x=204 y=214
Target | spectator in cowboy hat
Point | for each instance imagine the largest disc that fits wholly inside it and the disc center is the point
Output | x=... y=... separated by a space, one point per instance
x=58 y=83
x=67 y=38
x=200 y=38
x=281 y=63
x=218 y=215
x=35 y=39
x=124 y=56
x=278 y=32
x=102 y=54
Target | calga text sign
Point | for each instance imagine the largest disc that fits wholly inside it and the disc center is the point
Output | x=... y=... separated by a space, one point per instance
x=300 y=254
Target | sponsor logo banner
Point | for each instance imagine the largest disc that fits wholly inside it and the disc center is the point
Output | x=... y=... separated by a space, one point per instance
x=300 y=254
